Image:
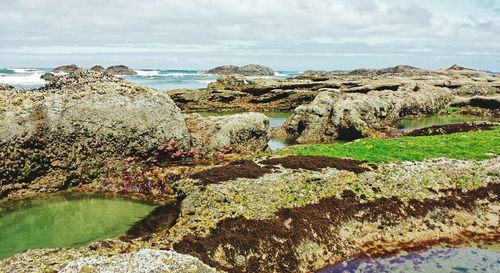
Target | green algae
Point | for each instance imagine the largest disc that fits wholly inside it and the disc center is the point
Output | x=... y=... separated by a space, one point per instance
x=478 y=145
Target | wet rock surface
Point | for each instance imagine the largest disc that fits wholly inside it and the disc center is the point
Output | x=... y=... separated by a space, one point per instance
x=242 y=245
x=310 y=218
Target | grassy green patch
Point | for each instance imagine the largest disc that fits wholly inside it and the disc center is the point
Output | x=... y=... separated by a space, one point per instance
x=471 y=145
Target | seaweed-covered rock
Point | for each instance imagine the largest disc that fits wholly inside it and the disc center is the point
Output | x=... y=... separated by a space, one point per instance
x=246 y=132
x=82 y=118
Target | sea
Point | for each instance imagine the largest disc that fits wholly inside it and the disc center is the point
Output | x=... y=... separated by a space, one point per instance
x=155 y=78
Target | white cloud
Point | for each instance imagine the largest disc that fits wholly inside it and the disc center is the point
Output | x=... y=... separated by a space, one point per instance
x=239 y=30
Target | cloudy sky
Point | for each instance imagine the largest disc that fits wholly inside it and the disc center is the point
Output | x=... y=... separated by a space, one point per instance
x=284 y=34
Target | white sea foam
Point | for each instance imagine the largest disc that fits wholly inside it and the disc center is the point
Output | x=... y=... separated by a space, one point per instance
x=147 y=73
x=177 y=74
x=24 y=78
x=23 y=70
x=277 y=74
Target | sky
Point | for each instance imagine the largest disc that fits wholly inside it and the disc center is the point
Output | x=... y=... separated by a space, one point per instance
x=284 y=34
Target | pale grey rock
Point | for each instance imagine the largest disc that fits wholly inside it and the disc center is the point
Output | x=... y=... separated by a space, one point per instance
x=247 y=132
x=349 y=116
x=142 y=261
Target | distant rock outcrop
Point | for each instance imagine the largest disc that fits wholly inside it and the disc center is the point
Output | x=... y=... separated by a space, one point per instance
x=247 y=70
x=98 y=68
x=66 y=69
x=457 y=67
x=120 y=70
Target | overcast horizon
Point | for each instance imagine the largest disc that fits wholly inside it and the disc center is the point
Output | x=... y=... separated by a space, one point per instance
x=284 y=34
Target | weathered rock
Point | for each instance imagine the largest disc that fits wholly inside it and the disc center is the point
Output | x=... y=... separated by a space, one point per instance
x=66 y=69
x=247 y=70
x=184 y=96
x=246 y=132
x=83 y=118
x=275 y=94
x=146 y=260
x=120 y=70
x=256 y=70
x=234 y=82
x=349 y=116
x=491 y=103
x=98 y=68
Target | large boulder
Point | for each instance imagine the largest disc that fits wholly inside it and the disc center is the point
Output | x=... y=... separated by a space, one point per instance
x=120 y=70
x=246 y=70
x=81 y=118
x=246 y=132
x=349 y=116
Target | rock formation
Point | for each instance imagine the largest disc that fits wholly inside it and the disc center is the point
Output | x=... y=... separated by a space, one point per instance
x=246 y=70
x=81 y=122
x=143 y=261
x=249 y=131
x=82 y=116
x=66 y=69
x=120 y=70
x=98 y=68
x=236 y=92
x=349 y=116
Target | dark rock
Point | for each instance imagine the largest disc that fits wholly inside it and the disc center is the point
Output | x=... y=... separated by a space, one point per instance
x=247 y=70
x=98 y=68
x=66 y=69
x=120 y=70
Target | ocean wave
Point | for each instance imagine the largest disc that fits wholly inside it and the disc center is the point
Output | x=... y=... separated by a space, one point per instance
x=278 y=74
x=24 y=70
x=23 y=78
x=147 y=73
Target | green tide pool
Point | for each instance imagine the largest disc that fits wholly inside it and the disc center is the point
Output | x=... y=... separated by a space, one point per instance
x=66 y=222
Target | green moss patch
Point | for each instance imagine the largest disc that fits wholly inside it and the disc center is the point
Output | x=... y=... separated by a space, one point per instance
x=471 y=145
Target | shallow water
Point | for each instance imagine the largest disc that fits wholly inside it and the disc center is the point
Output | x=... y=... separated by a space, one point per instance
x=66 y=222
x=462 y=259
x=417 y=123
x=276 y=119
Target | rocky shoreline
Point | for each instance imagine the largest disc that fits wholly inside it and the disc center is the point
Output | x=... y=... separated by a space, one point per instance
x=228 y=204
